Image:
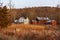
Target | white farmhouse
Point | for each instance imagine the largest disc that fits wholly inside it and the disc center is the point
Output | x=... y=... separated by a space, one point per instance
x=21 y=20
x=26 y=21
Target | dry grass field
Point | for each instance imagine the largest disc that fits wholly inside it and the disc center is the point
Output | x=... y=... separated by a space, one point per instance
x=29 y=32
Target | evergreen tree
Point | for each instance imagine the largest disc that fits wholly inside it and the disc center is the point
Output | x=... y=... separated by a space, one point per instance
x=4 y=17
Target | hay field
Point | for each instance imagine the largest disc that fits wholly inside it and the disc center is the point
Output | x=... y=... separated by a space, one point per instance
x=29 y=32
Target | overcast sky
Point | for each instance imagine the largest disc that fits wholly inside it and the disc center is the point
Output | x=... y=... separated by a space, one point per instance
x=31 y=3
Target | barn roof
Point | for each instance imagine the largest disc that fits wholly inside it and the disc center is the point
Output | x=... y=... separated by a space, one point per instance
x=43 y=18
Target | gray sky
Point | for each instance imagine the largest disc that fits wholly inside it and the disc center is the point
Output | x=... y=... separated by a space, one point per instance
x=32 y=3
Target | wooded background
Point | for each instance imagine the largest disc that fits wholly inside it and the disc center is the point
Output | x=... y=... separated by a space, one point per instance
x=51 y=12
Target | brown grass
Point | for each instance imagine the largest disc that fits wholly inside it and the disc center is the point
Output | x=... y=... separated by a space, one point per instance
x=28 y=32
x=27 y=26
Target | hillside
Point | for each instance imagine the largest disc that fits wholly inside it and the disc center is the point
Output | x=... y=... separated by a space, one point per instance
x=32 y=13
